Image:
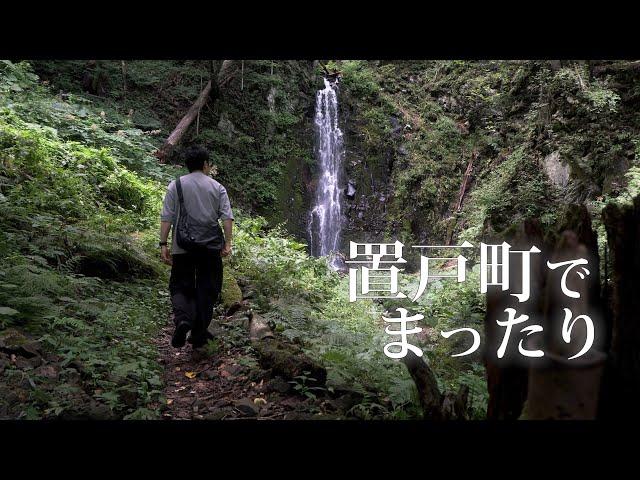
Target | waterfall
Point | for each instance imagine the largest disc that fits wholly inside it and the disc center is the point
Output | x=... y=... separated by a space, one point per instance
x=325 y=218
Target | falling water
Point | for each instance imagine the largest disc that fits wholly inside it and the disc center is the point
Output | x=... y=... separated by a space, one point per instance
x=325 y=217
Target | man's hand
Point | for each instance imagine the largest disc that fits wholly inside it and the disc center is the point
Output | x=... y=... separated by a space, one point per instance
x=165 y=255
x=226 y=251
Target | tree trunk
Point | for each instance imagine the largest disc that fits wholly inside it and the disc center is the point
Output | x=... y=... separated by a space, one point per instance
x=559 y=388
x=548 y=387
x=621 y=383
x=435 y=405
x=507 y=377
x=427 y=385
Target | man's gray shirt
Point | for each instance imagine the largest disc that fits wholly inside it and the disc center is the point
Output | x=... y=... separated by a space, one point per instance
x=205 y=199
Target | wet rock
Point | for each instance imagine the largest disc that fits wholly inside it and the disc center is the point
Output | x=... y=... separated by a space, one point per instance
x=247 y=407
x=220 y=414
x=47 y=371
x=288 y=360
x=234 y=308
x=4 y=361
x=350 y=191
x=557 y=171
x=346 y=402
x=100 y=411
x=220 y=404
x=234 y=370
x=129 y=398
x=13 y=341
x=279 y=385
x=248 y=294
x=23 y=363
x=240 y=319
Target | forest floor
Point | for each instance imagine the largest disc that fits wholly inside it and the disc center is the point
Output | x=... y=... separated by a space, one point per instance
x=228 y=385
x=224 y=381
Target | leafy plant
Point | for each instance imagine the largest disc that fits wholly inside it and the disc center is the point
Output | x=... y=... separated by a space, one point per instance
x=301 y=384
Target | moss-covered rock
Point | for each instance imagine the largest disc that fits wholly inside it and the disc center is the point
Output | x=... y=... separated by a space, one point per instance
x=231 y=292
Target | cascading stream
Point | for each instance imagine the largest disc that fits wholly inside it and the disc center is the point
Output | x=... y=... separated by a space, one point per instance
x=325 y=219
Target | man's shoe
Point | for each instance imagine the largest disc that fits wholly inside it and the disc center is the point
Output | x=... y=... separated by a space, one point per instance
x=180 y=335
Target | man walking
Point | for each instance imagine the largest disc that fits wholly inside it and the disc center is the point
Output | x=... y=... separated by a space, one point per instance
x=196 y=274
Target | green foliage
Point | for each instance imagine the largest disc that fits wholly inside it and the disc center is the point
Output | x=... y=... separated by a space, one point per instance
x=358 y=77
x=602 y=99
x=276 y=264
x=515 y=190
x=301 y=384
x=74 y=218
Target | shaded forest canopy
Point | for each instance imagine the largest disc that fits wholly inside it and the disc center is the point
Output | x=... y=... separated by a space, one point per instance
x=80 y=190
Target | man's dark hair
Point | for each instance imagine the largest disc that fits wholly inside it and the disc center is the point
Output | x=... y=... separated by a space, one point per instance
x=195 y=156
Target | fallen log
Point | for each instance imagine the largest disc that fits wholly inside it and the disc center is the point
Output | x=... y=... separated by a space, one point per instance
x=211 y=89
x=177 y=134
x=277 y=354
x=465 y=181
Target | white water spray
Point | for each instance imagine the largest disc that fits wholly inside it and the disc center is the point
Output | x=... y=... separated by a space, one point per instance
x=325 y=219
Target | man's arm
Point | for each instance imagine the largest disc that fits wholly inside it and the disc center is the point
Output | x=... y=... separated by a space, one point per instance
x=167 y=217
x=226 y=215
x=228 y=236
x=165 y=227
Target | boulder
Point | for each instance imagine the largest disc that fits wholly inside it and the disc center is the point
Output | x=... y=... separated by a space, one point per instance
x=13 y=341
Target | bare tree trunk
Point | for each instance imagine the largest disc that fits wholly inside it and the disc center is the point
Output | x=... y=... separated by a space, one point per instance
x=425 y=380
x=124 y=81
x=507 y=377
x=435 y=405
x=549 y=387
x=621 y=383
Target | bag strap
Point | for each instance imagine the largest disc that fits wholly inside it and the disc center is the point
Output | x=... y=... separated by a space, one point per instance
x=179 y=189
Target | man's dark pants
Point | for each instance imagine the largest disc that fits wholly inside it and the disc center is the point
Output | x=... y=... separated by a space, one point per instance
x=195 y=286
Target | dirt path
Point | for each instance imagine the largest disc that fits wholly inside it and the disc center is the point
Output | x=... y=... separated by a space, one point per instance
x=226 y=382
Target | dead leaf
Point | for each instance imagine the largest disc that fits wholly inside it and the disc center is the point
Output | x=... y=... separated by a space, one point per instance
x=169 y=401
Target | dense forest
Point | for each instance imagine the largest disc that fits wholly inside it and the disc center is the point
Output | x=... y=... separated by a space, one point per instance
x=435 y=153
